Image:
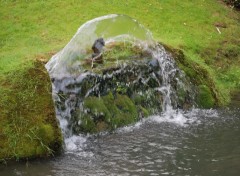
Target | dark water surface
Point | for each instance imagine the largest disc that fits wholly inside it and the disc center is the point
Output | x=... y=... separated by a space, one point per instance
x=198 y=143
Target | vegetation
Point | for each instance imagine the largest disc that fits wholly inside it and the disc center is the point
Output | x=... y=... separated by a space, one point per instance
x=27 y=125
x=207 y=31
x=115 y=53
x=107 y=113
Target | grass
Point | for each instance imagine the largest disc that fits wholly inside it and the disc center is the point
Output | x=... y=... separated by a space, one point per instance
x=28 y=126
x=37 y=29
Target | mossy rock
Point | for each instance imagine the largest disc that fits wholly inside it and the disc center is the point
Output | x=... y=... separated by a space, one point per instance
x=29 y=127
x=198 y=75
x=112 y=95
x=106 y=113
x=204 y=97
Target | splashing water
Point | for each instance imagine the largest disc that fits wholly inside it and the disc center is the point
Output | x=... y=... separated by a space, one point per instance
x=68 y=63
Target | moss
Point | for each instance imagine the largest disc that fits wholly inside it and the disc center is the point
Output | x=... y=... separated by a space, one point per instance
x=109 y=102
x=121 y=89
x=138 y=99
x=235 y=98
x=28 y=119
x=127 y=111
x=97 y=108
x=204 y=97
x=121 y=51
x=40 y=150
x=144 y=111
x=181 y=94
x=107 y=113
x=46 y=133
x=88 y=125
x=124 y=104
x=198 y=74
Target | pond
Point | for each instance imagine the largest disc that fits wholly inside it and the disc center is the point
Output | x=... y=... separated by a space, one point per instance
x=198 y=142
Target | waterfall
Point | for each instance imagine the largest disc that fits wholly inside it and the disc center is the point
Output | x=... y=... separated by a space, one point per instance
x=155 y=76
x=173 y=79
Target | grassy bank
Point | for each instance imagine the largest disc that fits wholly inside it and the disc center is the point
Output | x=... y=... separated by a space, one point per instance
x=206 y=30
x=27 y=125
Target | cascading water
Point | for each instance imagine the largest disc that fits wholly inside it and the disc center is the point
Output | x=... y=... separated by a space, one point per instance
x=155 y=76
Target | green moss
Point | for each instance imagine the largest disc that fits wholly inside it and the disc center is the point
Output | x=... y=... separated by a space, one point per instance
x=138 y=99
x=102 y=126
x=121 y=51
x=27 y=115
x=125 y=104
x=128 y=111
x=121 y=89
x=109 y=102
x=205 y=98
x=108 y=112
x=199 y=74
x=88 y=125
x=40 y=150
x=46 y=133
x=97 y=108
x=144 y=111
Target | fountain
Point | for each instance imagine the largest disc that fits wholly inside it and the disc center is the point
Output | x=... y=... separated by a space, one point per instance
x=134 y=78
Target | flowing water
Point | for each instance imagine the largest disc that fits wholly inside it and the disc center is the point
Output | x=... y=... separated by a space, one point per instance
x=69 y=73
x=174 y=142
x=194 y=143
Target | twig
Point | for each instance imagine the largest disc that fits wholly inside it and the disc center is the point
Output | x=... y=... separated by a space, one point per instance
x=218 y=30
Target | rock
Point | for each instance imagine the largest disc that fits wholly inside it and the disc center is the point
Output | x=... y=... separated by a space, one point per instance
x=97 y=49
x=98 y=46
x=128 y=86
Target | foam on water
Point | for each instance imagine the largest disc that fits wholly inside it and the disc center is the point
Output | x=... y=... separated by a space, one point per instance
x=183 y=118
x=177 y=117
x=76 y=145
x=74 y=142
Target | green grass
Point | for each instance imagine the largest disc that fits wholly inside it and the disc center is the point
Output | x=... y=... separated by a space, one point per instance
x=28 y=126
x=32 y=28
x=38 y=29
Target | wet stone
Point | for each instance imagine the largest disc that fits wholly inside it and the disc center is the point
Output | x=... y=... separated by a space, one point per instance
x=105 y=83
x=116 y=95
